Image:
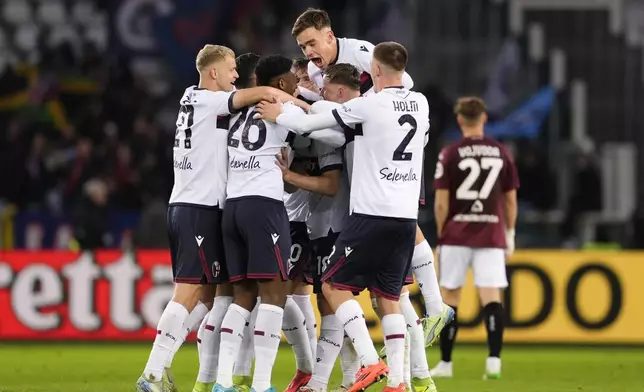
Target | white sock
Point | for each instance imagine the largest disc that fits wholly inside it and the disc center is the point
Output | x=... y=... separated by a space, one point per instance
x=393 y=329
x=304 y=302
x=331 y=336
x=192 y=322
x=407 y=363
x=232 y=333
x=418 y=357
x=210 y=340
x=169 y=329
x=422 y=265
x=267 y=340
x=349 y=362
x=352 y=319
x=200 y=333
x=294 y=328
x=244 y=364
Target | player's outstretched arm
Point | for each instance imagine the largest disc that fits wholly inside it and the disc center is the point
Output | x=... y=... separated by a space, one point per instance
x=296 y=120
x=251 y=96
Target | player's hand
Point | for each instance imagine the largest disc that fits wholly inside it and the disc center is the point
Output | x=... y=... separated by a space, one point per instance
x=269 y=111
x=282 y=162
x=509 y=243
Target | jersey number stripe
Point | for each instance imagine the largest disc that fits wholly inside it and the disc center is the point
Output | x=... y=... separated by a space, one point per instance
x=465 y=191
x=248 y=121
x=186 y=114
x=399 y=152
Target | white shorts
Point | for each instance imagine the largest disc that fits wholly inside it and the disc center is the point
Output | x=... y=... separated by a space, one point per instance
x=488 y=266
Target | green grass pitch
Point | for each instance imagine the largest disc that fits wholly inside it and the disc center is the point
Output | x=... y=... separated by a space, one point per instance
x=115 y=367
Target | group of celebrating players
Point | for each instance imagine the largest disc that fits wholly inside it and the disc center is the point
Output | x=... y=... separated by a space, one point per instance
x=292 y=174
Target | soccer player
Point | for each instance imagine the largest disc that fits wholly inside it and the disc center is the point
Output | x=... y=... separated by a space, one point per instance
x=476 y=210
x=256 y=234
x=313 y=33
x=194 y=211
x=209 y=332
x=375 y=248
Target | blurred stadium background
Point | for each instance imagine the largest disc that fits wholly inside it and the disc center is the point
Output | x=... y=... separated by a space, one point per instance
x=88 y=102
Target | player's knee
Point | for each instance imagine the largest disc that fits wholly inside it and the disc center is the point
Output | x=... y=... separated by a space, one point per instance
x=273 y=292
x=302 y=289
x=451 y=296
x=207 y=296
x=387 y=306
x=225 y=290
x=245 y=294
x=323 y=306
x=419 y=236
x=187 y=294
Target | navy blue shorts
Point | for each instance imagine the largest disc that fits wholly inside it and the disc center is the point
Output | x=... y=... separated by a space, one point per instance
x=257 y=238
x=300 y=260
x=372 y=253
x=322 y=248
x=196 y=244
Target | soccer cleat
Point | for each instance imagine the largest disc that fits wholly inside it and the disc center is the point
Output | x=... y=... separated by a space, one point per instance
x=307 y=388
x=221 y=388
x=168 y=379
x=442 y=370
x=432 y=326
x=271 y=389
x=203 y=386
x=492 y=369
x=300 y=380
x=341 y=388
x=145 y=385
x=369 y=375
x=423 y=384
x=400 y=388
x=242 y=383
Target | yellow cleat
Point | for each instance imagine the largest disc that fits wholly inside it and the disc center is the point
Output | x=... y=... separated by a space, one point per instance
x=423 y=384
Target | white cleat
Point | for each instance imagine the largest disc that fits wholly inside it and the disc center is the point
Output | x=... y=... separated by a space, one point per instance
x=492 y=368
x=442 y=370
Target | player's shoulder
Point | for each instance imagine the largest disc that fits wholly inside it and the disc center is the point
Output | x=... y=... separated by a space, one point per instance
x=198 y=95
x=356 y=45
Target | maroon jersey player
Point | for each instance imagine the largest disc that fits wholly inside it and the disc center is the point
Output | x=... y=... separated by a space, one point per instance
x=476 y=209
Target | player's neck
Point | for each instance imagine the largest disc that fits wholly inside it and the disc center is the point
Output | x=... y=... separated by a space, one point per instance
x=336 y=51
x=390 y=82
x=208 y=84
x=473 y=133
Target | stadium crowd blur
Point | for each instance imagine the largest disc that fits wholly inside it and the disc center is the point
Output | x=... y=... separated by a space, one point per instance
x=86 y=135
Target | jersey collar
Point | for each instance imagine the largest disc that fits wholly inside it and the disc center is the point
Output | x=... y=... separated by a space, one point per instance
x=337 y=56
x=396 y=87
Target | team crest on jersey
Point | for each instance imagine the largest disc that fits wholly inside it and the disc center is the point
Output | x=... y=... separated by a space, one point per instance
x=346 y=109
x=364 y=49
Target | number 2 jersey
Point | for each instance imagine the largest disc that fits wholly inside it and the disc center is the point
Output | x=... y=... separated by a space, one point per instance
x=477 y=172
x=253 y=145
x=389 y=129
x=200 y=154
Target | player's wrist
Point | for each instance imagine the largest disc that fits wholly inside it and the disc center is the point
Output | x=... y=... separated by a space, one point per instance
x=510 y=232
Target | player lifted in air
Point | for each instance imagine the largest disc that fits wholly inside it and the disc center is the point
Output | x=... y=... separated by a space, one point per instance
x=476 y=210
x=375 y=247
x=313 y=33
x=194 y=212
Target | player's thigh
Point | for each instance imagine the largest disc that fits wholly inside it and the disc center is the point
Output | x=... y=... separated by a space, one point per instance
x=348 y=266
x=301 y=253
x=488 y=265
x=453 y=263
x=392 y=253
x=235 y=249
x=266 y=229
x=195 y=243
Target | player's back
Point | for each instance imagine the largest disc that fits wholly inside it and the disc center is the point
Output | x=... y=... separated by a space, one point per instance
x=477 y=172
x=200 y=156
x=252 y=147
x=388 y=153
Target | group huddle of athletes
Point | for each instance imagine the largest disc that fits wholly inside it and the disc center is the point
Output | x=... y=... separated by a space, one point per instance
x=293 y=175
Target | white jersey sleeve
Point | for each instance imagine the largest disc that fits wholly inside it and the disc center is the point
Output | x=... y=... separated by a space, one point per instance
x=252 y=146
x=200 y=156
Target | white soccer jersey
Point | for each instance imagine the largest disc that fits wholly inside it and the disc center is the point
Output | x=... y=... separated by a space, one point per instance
x=200 y=153
x=252 y=147
x=297 y=203
x=322 y=207
x=390 y=129
x=359 y=54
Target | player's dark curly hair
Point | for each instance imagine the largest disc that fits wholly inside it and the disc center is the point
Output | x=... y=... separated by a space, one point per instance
x=300 y=62
x=270 y=67
x=246 y=64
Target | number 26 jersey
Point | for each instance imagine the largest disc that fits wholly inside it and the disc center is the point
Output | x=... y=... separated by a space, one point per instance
x=252 y=147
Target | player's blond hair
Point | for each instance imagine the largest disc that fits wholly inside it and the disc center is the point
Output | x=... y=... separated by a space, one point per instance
x=211 y=54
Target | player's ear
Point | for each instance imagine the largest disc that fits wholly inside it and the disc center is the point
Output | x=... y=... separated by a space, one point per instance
x=484 y=118
x=213 y=73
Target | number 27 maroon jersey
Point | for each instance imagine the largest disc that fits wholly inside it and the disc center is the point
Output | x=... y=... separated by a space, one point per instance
x=477 y=172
